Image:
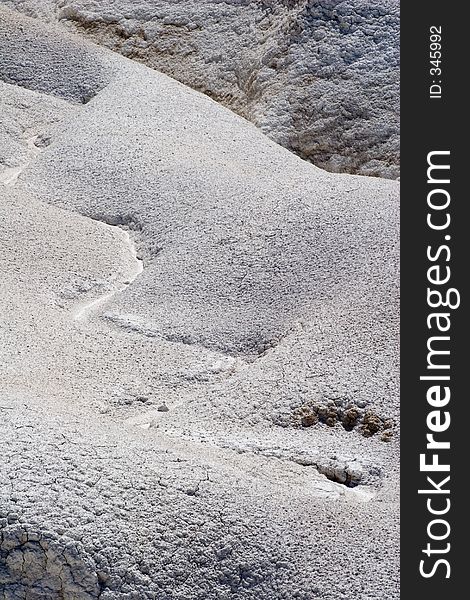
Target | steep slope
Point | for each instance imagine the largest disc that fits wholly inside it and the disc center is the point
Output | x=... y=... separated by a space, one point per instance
x=213 y=422
x=320 y=77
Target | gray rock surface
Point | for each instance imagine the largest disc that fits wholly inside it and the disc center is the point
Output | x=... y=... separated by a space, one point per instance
x=320 y=77
x=158 y=250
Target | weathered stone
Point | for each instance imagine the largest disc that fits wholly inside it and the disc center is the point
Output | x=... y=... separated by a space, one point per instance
x=319 y=77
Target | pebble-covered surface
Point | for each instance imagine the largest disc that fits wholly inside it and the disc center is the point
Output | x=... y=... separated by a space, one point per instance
x=320 y=77
x=198 y=345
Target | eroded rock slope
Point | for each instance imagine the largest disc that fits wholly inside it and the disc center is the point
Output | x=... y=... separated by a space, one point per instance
x=320 y=77
x=198 y=345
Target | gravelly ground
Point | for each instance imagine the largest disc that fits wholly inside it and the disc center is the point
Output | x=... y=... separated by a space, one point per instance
x=224 y=423
x=320 y=77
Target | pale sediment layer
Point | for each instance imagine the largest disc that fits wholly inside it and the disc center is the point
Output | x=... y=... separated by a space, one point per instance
x=319 y=77
x=220 y=421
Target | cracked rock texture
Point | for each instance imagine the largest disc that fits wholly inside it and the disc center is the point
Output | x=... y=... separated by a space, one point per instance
x=38 y=565
x=153 y=445
x=320 y=77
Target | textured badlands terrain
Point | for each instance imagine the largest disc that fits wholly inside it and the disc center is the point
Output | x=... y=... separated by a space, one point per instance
x=198 y=345
x=320 y=77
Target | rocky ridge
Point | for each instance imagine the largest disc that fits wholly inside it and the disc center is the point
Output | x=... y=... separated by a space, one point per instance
x=320 y=77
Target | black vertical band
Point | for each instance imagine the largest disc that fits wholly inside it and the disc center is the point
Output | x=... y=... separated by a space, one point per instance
x=435 y=269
